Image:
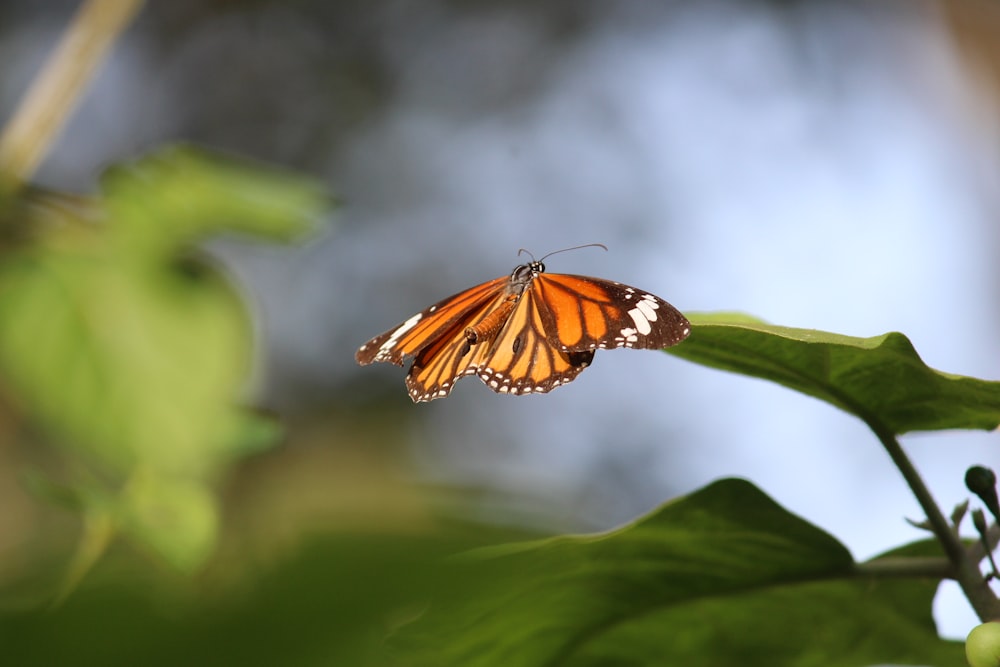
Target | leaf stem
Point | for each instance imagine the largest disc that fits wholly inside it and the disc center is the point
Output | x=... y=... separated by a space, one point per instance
x=98 y=529
x=906 y=567
x=965 y=570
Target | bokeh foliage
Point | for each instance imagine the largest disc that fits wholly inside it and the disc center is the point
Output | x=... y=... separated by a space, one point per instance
x=133 y=352
x=130 y=352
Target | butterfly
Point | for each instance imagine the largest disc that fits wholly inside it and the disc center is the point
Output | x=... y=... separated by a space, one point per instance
x=526 y=333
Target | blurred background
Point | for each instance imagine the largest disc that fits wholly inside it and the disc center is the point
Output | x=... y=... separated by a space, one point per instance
x=821 y=164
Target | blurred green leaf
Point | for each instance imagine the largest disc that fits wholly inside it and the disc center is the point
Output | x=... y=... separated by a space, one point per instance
x=129 y=367
x=331 y=602
x=134 y=352
x=881 y=379
x=66 y=496
x=722 y=577
x=255 y=432
x=176 y=519
x=99 y=528
x=167 y=200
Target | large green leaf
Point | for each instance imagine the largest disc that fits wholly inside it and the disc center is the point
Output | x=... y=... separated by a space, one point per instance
x=722 y=577
x=881 y=379
x=132 y=351
x=128 y=366
x=327 y=603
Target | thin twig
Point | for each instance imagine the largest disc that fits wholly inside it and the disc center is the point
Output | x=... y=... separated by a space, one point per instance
x=964 y=570
x=54 y=94
x=977 y=551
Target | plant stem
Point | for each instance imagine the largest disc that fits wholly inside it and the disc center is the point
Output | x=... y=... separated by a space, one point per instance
x=906 y=567
x=98 y=530
x=978 y=550
x=47 y=105
x=965 y=569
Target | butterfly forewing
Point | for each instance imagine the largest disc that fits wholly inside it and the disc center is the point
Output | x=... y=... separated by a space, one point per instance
x=429 y=326
x=583 y=313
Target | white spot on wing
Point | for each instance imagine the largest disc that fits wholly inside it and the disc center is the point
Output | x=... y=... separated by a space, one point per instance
x=386 y=349
x=641 y=323
x=648 y=309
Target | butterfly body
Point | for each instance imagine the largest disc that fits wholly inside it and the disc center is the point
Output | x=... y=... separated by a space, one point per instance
x=528 y=332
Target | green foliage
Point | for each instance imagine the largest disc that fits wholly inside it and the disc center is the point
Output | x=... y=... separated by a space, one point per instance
x=132 y=352
x=722 y=577
x=331 y=602
x=881 y=379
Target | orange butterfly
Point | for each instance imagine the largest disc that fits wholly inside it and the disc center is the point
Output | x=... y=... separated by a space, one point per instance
x=526 y=333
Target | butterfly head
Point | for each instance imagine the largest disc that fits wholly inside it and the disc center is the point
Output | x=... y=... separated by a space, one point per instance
x=523 y=274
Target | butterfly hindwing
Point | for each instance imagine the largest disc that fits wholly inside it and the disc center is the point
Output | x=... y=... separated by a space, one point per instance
x=450 y=356
x=521 y=360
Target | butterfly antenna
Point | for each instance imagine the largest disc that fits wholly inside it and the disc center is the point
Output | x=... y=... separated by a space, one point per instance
x=576 y=247
x=523 y=251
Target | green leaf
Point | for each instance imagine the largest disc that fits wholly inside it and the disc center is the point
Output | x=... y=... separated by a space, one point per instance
x=98 y=530
x=722 y=577
x=171 y=198
x=68 y=497
x=128 y=367
x=327 y=602
x=176 y=519
x=139 y=358
x=881 y=379
x=133 y=351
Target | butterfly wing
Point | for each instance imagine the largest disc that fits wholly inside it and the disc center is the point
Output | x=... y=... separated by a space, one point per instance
x=521 y=360
x=451 y=356
x=523 y=335
x=431 y=328
x=583 y=313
